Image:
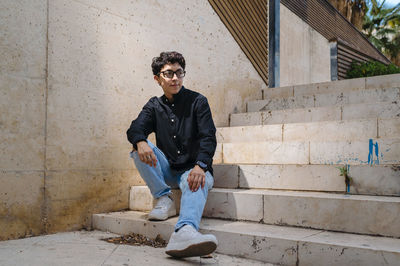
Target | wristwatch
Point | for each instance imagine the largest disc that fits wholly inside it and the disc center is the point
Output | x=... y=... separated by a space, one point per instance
x=202 y=165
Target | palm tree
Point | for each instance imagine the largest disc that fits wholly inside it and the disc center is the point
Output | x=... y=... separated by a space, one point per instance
x=382 y=28
x=380 y=24
x=353 y=10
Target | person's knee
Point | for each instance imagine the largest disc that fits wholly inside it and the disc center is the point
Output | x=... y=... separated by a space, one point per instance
x=208 y=184
x=184 y=185
x=136 y=159
x=209 y=181
x=133 y=154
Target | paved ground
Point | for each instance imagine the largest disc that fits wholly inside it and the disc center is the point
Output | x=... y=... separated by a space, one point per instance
x=86 y=248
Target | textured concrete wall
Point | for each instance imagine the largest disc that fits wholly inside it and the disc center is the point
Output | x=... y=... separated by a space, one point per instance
x=64 y=151
x=304 y=53
x=22 y=116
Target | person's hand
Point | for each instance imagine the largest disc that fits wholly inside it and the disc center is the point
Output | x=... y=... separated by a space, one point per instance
x=146 y=153
x=196 y=178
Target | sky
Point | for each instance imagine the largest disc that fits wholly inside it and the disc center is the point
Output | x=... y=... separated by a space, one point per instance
x=391 y=2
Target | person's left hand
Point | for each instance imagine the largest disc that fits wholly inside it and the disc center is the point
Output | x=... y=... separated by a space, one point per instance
x=196 y=178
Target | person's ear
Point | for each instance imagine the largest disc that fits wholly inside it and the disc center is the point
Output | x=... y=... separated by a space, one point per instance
x=157 y=79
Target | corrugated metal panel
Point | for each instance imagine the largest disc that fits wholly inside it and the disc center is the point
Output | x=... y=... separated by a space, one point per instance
x=326 y=20
x=247 y=21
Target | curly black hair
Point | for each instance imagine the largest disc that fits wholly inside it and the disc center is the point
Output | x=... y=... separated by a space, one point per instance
x=167 y=58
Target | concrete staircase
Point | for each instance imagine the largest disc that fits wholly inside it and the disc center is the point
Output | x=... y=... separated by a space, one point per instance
x=280 y=192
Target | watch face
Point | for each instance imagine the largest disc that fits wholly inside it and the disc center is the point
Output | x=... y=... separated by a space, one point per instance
x=202 y=165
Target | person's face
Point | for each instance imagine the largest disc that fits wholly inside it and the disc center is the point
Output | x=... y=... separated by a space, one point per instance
x=171 y=83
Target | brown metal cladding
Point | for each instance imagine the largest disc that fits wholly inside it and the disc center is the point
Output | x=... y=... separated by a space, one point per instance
x=247 y=21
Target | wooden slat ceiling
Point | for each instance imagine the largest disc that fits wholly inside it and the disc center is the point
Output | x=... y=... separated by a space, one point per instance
x=326 y=20
x=247 y=21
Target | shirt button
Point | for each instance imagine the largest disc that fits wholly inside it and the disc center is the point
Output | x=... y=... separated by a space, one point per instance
x=172 y=120
x=173 y=104
x=174 y=137
x=179 y=152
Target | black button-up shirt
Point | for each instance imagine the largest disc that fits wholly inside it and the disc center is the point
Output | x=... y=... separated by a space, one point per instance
x=184 y=128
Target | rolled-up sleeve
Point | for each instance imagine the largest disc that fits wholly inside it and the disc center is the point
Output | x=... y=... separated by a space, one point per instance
x=142 y=126
x=206 y=133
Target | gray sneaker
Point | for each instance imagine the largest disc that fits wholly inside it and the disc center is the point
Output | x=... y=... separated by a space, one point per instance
x=187 y=242
x=164 y=208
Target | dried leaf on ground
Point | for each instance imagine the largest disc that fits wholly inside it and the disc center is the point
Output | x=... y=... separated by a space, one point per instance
x=138 y=240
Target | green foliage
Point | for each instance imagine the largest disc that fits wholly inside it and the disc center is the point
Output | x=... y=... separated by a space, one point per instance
x=347 y=179
x=343 y=170
x=371 y=68
x=382 y=28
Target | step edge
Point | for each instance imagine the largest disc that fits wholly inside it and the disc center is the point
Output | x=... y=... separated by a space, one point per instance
x=262 y=227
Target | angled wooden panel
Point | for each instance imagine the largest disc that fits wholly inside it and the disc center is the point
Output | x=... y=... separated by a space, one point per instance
x=247 y=21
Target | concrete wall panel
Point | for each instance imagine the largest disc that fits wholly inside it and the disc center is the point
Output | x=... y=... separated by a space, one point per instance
x=21 y=201
x=23 y=43
x=23 y=26
x=22 y=116
x=100 y=77
x=108 y=47
x=74 y=195
x=304 y=53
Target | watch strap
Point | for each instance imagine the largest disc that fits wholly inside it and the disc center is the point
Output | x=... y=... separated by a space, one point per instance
x=202 y=165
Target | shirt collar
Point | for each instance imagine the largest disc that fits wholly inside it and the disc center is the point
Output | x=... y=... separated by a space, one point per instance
x=176 y=97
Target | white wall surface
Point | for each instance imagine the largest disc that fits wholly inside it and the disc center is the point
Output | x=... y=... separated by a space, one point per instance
x=304 y=53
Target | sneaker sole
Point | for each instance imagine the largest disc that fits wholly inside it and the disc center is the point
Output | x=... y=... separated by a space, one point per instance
x=194 y=250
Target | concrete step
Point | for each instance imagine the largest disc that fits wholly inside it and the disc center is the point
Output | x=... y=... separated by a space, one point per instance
x=358 y=129
x=382 y=110
x=373 y=215
x=375 y=180
x=326 y=99
x=380 y=180
x=283 y=177
x=383 y=180
x=140 y=198
x=378 y=82
x=327 y=211
x=373 y=152
x=268 y=243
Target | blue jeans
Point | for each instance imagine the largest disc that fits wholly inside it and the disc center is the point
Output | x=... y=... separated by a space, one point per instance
x=162 y=178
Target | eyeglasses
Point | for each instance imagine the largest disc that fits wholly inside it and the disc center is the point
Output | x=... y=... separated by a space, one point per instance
x=180 y=73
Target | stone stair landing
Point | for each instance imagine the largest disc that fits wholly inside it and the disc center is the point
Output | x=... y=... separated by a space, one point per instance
x=310 y=175
x=280 y=245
